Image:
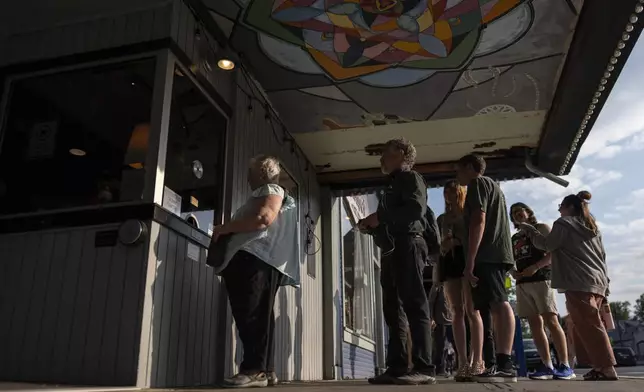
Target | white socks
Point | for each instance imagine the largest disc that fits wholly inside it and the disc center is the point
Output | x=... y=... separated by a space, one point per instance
x=549 y=364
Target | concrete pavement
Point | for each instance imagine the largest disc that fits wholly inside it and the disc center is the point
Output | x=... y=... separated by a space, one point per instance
x=623 y=385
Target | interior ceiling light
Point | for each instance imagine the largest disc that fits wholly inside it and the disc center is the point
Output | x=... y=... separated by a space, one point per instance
x=225 y=64
x=77 y=151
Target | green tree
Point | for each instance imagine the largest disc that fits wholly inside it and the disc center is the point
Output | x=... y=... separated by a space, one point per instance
x=639 y=308
x=621 y=310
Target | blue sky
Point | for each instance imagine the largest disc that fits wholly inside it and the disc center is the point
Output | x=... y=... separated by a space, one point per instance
x=611 y=167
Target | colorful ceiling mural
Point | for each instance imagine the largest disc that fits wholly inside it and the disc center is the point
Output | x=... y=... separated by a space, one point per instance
x=334 y=64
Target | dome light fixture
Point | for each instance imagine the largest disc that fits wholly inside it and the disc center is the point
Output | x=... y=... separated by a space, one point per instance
x=226 y=64
x=77 y=152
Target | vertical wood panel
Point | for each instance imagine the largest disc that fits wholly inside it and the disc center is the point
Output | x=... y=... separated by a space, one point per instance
x=82 y=309
x=96 y=324
x=13 y=247
x=184 y=322
x=67 y=301
x=175 y=321
x=36 y=305
x=161 y=368
x=115 y=291
x=53 y=293
x=21 y=307
x=62 y=323
x=131 y=316
x=180 y=355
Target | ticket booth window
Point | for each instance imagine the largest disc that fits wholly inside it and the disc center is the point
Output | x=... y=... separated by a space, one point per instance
x=75 y=138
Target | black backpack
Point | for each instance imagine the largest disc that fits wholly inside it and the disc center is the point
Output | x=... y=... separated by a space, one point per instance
x=431 y=233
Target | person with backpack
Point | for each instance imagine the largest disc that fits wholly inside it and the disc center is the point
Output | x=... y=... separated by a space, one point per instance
x=399 y=227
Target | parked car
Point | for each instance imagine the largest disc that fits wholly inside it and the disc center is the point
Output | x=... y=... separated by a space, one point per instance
x=625 y=356
x=532 y=358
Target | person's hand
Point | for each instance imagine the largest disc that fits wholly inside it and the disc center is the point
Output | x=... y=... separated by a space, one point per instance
x=531 y=270
x=218 y=231
x=523 y=226
x=369 y=222
x=433 y=324
x=468 y=273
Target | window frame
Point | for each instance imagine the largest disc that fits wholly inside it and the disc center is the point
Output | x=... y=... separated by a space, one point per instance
x=298 y=202
x=173 y=62
x=350 y=335
x=5 y=100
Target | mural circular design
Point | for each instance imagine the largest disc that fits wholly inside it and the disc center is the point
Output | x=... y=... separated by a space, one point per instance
x=350 y=39
x=496 y=109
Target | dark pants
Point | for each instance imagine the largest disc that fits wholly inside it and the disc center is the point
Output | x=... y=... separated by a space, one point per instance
x=489 y=352
x=405 y=303
x=252 y=285
x=442 y=333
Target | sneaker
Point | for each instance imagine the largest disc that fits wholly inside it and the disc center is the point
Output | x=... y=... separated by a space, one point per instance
x=242 y=380
x=542 y=373
x=386 y=378
x=563 y=372
x=496 y=375
x=415 y=378
x=272 y=379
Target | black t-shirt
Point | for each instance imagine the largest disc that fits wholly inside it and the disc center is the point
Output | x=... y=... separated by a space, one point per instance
x=526 y=254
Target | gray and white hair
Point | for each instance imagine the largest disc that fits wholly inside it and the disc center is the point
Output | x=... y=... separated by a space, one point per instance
x=267 y=168
x=407 y=148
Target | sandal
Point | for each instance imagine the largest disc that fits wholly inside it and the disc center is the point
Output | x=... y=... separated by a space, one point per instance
x=595 y=375
x=463 y=374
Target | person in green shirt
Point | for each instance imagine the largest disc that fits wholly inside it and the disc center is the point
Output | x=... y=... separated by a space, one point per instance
x=488 y=248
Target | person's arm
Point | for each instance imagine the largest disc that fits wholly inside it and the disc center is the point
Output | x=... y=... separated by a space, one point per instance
x=476 y=200
x=268 y=203
x=410 y=187
x=550 y=242
x=545 y=261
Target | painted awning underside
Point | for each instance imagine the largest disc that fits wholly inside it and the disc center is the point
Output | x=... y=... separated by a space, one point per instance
x=453 y=76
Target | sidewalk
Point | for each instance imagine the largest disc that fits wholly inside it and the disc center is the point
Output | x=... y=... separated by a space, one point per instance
x=623 y=385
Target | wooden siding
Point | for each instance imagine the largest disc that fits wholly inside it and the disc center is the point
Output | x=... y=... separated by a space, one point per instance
x=89 y=27
x=70 y=311
x=182 y=330
x=357 y=363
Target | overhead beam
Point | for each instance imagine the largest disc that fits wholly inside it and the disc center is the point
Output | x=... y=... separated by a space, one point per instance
x=601 y=26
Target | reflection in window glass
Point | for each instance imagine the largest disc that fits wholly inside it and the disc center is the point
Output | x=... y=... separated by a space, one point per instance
x=76 y=138
x=194 y=169
x=358 y=276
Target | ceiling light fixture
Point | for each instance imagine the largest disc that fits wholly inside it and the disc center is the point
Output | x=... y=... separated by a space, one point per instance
x=77 y=152
x=226 y=65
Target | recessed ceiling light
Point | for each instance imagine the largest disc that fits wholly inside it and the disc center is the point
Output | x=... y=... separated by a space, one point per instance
x=225 y=64
x=77 y=151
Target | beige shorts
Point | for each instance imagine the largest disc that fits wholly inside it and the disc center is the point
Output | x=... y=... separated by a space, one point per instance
x=535 y=298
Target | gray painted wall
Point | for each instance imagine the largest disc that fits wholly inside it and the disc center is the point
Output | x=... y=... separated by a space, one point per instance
x=70 y=311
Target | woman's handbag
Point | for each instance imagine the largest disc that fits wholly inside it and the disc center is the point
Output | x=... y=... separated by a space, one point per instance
x=217 y=251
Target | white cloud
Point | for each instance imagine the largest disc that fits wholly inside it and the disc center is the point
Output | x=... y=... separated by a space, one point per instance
x=620 y=124
x=633 y=201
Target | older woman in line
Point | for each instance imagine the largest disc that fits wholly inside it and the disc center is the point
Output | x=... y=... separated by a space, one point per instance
x=579 y=270
x=261 y=255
